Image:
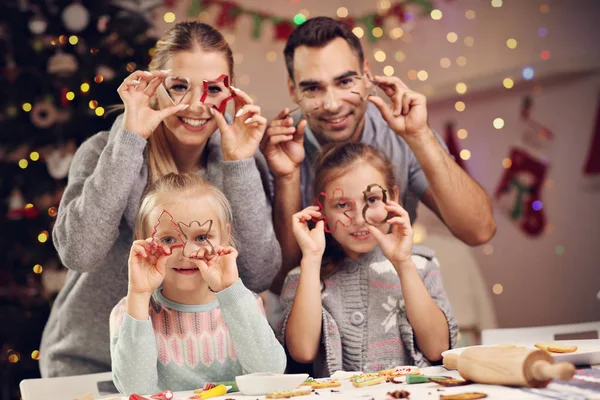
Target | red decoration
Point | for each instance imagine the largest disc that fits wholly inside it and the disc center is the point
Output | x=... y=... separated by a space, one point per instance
x=322 y=208
x=283 y=30
x=398 y=11
x=228 y=15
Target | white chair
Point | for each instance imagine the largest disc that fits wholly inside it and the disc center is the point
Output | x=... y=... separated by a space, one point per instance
x=66 y=388
x=586 y=330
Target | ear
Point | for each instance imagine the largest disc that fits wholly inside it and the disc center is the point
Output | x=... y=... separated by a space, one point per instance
x=367 y=71
x=292 y=89
x=227 y=235
x=395 y=193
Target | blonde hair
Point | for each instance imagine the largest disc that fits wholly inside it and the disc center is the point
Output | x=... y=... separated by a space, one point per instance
x=183 y=36
x=172 y=188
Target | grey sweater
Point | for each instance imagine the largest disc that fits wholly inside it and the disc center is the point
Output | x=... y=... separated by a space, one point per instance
x=365 y=327
x=94 y=231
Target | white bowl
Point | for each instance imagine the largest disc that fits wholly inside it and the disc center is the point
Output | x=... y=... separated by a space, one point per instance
x=261 y=383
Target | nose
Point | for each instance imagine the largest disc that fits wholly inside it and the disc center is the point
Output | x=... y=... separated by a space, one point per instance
x=331 y=101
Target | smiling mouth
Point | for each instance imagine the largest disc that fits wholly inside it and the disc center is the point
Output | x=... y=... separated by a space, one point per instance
x=193 y=122
x=186 y=269
x=360 y=233
x=336 y=120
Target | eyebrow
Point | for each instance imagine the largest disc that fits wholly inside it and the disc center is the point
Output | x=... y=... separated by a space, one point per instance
x=313 y=82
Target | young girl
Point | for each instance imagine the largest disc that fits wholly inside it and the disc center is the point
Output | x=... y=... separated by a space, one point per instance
x=187 y=317
x=363 y=299
x=169 y=124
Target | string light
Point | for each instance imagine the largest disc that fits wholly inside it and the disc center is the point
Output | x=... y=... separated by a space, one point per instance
x=465 y=154
x=52 y=211
x=422 y=75
x=412 y=74
x=34 y=156
x=508 y=83
x=62 y=39
x=379 y=55
x=488 y=249
x=497 y=288
x=377 y=32
x=528 y=73
x=542 y=32
x=23 y=163
x=436 y=14
x=98 y=79
x=461 y=88
x=169 y=17
x=545 y=55
x=73 y=40
x=544 y=8
x=271 y=56
x=462 y=133
x=85 y=87
x=496 y=3
x=43 y=237
x=549 y=228
x=469 y=41
x=461 y=61
x=445 y=62
x=460 y=106
x=452 y=37
x=506 y=163
x=13 y=358
x=396 y=33
x=400 y=56
x=498 y=123
x=537 y=205
x=559 y=250
x=99 y=111
x=511 y=43
x=358 y=31
x=27 y=107
x=70 y=96
x=384 y=5
x=342 y=12
x=470 y=14
x=388 y=70
x=93 y=104
x=299 y=19
x=37 y=269
x=35 y=355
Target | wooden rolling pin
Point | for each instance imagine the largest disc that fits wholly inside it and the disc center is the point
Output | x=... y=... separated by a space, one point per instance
x=508 y=366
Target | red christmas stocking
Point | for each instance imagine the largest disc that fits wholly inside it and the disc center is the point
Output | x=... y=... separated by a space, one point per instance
x=519 y=191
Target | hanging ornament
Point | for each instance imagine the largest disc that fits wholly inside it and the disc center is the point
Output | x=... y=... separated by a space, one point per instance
x=38 y=25
x=16 y=203
x=283 y=29
x=75 y=17
x=62 y=64
x=106 y=72
x=43 y=114
x=58 y=161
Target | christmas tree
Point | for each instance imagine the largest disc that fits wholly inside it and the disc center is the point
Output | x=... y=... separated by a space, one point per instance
x=61 y=63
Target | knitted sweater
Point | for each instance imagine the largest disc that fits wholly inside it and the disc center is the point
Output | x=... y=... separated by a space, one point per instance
x=181 y=346
x=365 y=327
x=94 y=231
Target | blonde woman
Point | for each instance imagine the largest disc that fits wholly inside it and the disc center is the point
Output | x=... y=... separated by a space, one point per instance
x=172 y=123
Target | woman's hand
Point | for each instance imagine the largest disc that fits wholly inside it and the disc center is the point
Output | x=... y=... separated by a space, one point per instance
x=241 y=139
x=136 y=91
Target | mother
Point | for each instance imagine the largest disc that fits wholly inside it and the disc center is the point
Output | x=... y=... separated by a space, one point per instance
x=167 y=126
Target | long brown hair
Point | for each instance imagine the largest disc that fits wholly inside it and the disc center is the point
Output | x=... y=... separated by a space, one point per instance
x=333 y=161
x=183 y=36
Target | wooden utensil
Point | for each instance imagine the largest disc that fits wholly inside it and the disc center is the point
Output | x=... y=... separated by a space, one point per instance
x=508 y=366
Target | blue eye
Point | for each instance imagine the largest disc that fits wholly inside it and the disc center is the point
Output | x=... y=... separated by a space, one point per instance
x=201 y=238
x=167 y=240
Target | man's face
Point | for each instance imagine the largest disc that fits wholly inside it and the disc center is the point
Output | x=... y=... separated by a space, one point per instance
x=331 y=90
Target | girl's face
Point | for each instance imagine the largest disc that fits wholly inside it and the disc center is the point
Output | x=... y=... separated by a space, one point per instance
x=194 y=125
x=345 y=216
x=195 y=225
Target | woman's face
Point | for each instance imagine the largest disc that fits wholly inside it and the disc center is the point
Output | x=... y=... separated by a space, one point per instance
x=194 y=125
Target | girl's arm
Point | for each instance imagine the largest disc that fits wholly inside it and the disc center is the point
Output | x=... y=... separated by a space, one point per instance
x=429 y=324
x=133 y=353
x=101 y=177
x=303 y=328
x=255 y=344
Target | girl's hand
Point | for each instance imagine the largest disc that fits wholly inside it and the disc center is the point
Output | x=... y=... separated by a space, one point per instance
x=136 y=91
x=241 y=139
x=311 y=242
x=219 y=270
x=396 y=246
x=147 y=265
